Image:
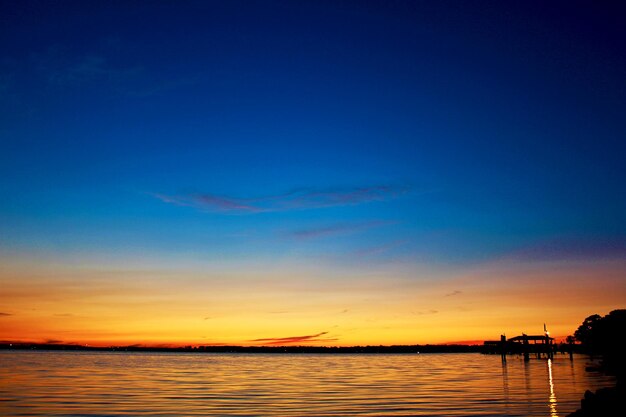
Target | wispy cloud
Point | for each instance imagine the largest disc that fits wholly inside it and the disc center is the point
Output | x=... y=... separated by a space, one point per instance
x=63 y=68
x=224 y=204
x=453 y=293
x=426 y=312
x=60 y=66
x=561 y=249
x=380 y=249
x=298 y=199
x=156 y=86
x=5 y=314
x=294 y=339
x=336 y=229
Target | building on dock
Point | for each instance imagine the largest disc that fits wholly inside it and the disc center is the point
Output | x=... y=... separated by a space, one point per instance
x=539 y=345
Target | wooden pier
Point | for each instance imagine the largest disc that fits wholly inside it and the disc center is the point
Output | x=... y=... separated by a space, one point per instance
x=526 y=345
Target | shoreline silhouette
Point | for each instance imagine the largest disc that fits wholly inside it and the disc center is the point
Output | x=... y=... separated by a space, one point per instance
x=408 y=349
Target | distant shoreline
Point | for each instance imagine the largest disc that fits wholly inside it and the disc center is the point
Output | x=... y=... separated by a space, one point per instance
x=404 y=349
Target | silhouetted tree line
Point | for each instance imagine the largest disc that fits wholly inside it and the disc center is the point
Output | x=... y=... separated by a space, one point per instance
x=603 y=336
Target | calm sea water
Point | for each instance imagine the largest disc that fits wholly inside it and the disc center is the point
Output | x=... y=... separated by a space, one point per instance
x=180 y=384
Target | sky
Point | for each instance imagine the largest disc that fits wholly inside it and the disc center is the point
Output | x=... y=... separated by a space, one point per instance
x=311 y=172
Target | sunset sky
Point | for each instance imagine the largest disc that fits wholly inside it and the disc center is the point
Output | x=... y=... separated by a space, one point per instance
x=309 y=172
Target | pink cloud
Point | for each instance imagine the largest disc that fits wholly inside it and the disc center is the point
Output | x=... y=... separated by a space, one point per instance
x=299 y=199
x=337 y=229
x=294 y=339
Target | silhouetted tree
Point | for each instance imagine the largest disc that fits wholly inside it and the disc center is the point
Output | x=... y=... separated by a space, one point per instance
x=585 y=333
x=604 y=335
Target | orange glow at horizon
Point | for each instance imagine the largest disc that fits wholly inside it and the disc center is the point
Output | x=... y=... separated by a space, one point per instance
x=105 y=307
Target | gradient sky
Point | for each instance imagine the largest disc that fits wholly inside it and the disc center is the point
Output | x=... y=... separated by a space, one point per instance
x=309 y=172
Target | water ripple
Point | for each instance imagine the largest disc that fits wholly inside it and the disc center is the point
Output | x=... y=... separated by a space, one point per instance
x=173 y=384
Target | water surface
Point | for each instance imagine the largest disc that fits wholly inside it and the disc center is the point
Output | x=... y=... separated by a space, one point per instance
x=205 y=384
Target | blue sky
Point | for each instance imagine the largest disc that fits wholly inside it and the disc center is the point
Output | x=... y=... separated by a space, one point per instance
x=499 y=124
x=352 y=134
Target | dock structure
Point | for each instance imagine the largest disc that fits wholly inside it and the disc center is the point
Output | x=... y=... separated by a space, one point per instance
x=526 y=345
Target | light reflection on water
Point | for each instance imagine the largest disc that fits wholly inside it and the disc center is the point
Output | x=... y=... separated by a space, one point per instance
x=552 y=398
x=176 y=384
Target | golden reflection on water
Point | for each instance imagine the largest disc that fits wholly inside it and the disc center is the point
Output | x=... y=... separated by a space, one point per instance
x=505 y=384
x=149 y=384
x=552 y=398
